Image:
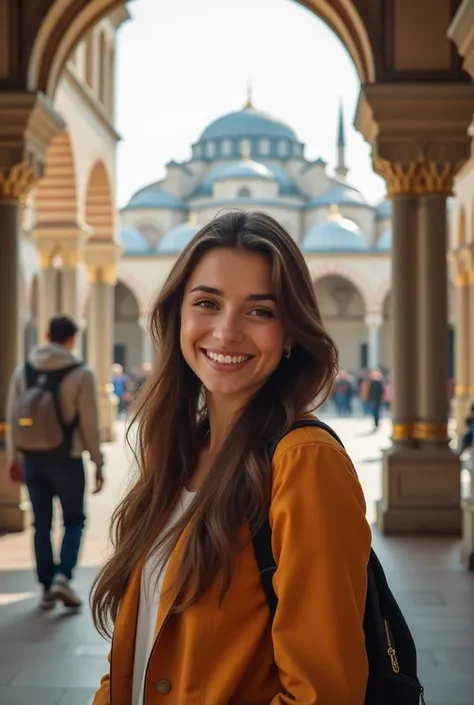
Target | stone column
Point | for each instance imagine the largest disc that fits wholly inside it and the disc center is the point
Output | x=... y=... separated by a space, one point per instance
x=48 y=294
x=433 y=349
x=404 y=319
x=373 y=321
x=11 y=509
x=421 y=475
x=147 y=349
x=101 y=262
x=462 y=343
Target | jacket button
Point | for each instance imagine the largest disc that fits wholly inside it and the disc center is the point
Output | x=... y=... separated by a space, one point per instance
x=162 y=687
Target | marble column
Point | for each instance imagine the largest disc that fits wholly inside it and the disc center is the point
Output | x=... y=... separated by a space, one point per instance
x=48 y=298
x=433 y=348
x=373 y=321
x=462 y=345
x=404 y=318
x=69 y=303
x=12 y=516
x=147 y=346
x=101 y=261
x=421 y=475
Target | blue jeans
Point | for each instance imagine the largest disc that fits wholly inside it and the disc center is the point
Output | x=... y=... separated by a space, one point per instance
x=48 y=477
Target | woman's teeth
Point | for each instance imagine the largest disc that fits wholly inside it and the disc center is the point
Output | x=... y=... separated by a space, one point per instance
x=227 y=359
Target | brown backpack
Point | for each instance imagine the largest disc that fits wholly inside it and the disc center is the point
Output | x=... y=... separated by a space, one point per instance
x=37 y=423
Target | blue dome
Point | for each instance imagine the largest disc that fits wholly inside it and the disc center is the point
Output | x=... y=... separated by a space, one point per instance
x=246 y=169
x=384 y=210
x=384 y=243
x=177 y=238
x=134 y=242
x=285 y=185
x=339 y=234
x=341 y=194
x=153 y=196
x=248 y=122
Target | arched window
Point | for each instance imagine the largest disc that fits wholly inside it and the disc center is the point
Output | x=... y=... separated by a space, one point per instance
x=210 y=149
x=226 y=148
x=244 y=192
x=264 y=147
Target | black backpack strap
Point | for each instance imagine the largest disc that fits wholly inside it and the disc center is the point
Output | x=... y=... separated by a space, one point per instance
x=262 y=538
x=31 y=374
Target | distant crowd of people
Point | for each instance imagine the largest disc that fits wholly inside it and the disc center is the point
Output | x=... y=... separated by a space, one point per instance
x=127 y=385
x=368 y=392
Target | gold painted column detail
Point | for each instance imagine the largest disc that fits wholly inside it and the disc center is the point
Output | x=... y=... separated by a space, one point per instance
x=101 y=261
x=462 y=343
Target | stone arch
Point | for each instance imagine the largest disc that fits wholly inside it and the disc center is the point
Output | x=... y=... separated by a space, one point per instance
x=56 y=193
x=344 y=312
x=345 y=272
x=128 y=331
x=134 y=284
x=100 y=211
x=65 y=24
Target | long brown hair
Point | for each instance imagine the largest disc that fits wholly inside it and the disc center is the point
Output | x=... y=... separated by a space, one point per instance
x=172 y=420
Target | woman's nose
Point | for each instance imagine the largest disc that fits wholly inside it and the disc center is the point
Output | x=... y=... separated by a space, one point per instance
x=228 y=329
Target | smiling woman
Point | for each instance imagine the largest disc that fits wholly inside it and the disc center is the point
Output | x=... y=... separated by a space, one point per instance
x=241 y=355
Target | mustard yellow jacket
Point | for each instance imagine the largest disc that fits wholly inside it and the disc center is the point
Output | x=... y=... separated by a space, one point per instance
x=314 y=652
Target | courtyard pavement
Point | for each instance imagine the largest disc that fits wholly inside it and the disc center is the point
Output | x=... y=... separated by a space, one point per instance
x=58 y=659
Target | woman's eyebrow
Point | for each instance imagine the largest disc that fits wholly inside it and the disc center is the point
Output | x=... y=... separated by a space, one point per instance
x=218 y=292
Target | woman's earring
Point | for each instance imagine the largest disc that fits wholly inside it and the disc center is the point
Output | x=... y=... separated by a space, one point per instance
x=287 y=354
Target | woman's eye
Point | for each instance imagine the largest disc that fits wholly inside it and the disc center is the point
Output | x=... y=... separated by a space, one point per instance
x=262 y=312
x=205 y=303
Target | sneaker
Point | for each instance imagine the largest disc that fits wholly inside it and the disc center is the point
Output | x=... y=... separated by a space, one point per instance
x=63 y=592
x=48 y=600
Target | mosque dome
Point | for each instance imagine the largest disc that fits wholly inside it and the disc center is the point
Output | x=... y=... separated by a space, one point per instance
x=335 y=234
x=153 y=196
x=133 y=242
x=248 y=122
x=339 y=193
x=384 y=243
x=246 y=169
x=383 y=210
x=268 y=137
x=177 y=238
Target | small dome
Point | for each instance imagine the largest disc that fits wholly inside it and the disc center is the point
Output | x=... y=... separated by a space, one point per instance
x=263 y=171
x=177 y=238
x=336 y=234
x=134 y=243
x=383 y=210
x=153 y=196
x=248 y=122
x=246 y=169
x=340 y=193
x=384 y=243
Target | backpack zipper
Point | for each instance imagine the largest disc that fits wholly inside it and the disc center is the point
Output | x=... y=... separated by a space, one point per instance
x=391 y=649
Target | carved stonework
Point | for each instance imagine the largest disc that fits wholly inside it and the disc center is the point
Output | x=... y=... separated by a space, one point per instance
x=101 y=259
x=422 y=176
x=15 y=183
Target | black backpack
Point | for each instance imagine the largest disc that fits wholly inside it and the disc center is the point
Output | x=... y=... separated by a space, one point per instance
x=38 y=426
x=389 y=644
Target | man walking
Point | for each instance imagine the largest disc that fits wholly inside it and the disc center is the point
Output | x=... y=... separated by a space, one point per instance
x=52 y=417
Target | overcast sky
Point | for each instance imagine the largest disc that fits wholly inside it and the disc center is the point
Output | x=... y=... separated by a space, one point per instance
x=183 y=63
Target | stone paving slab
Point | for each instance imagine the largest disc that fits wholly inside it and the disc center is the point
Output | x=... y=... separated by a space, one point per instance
x=57 y=658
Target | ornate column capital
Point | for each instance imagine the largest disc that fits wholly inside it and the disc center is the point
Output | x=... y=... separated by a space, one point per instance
x=101 y=259
x=373 y=319
x=420 y=177
x=16 y=182
x=28 y=123
x=461 y=261
x=64 y=240
x=418 y=132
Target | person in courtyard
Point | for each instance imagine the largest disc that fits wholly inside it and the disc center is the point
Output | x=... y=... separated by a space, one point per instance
x=467 y=440
x=241 y=354
x=53 y=418
x=376 y=395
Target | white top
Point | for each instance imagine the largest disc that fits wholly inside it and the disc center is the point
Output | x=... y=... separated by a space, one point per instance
x=150 y=590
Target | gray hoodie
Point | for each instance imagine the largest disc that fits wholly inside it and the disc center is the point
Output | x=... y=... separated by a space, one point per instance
x=77 y=394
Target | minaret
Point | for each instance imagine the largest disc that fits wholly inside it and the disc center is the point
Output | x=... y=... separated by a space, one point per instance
x=249 y=103
x=341 y=169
